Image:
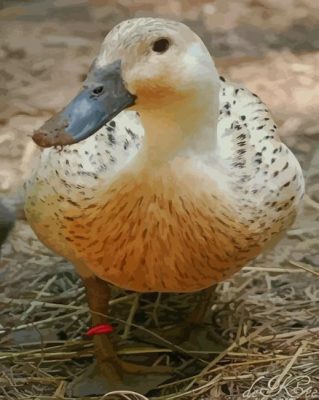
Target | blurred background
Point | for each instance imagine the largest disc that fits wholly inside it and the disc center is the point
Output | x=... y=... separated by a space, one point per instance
x=270 y=46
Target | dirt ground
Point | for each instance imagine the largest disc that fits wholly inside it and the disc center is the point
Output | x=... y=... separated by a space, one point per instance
x=268 y=313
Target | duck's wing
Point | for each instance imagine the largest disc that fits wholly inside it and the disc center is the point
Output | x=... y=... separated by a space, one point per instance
x=247 y=134
x=244 y=120
x=251 y=148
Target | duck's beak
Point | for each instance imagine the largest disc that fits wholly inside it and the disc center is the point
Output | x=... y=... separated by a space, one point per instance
x=103 y=97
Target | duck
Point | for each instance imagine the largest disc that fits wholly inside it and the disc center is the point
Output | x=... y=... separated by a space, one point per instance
x=160 y=175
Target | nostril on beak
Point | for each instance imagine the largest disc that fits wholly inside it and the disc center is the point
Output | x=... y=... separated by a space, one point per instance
x=98 y=90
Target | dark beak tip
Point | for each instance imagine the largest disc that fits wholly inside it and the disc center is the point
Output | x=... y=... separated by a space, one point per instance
x=40 y=138
x=45 y=138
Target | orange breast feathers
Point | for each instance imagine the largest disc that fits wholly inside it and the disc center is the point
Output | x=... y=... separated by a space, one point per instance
x=160 y=235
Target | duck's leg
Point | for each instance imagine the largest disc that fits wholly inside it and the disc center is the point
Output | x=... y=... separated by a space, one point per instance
x=199 y=312
x=98 y=297
x=109 y=372
x=195 y=321
x=199 y=321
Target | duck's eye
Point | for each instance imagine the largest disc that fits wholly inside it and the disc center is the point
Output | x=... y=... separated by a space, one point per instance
x=161 y=45
x=98 y=90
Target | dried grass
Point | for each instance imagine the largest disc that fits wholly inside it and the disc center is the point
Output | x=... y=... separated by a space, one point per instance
x=266 y=317
x=267 y=314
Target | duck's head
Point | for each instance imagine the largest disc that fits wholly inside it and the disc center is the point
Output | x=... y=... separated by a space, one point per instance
x=144 y=64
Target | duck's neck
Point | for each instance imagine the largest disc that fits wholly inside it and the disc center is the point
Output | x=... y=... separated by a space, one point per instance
x=183 y=128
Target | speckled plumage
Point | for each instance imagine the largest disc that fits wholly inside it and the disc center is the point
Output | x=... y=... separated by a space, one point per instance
x=188 y=223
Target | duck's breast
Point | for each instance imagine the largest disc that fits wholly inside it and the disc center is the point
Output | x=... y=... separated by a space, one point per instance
x=160 y=231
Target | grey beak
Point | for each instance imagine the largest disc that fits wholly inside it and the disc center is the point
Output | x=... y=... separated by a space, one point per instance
x=103 y=97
